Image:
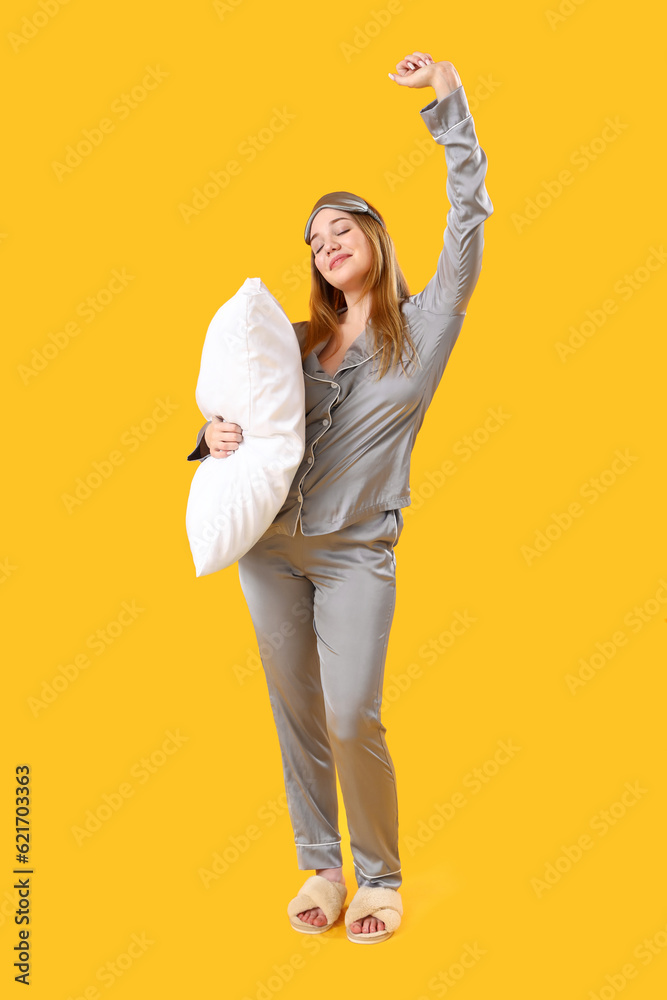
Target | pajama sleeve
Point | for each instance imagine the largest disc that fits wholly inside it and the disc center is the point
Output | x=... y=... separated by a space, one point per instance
x=194 y=454
x=450 y=123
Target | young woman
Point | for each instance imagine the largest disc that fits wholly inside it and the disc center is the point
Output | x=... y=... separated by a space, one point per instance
x=322 y=577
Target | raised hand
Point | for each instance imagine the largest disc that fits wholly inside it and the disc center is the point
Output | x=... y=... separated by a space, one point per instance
x=418 y=69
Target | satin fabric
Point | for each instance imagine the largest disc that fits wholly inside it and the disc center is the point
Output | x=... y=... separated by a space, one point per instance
x=360 y=433
x=324 y=570
x=322 y=608
x=345 y=200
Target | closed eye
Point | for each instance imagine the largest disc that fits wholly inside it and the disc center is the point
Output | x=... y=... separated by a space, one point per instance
x=335 y=234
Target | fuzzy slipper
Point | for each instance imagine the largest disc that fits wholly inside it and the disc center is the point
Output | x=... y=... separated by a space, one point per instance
x=380 y=902
x=317 y=891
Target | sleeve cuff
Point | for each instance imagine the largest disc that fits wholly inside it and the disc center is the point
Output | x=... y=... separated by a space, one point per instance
x=195 y=454
x=441 y=115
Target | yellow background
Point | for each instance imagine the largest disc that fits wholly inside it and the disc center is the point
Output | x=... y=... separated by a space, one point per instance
x=471 y=881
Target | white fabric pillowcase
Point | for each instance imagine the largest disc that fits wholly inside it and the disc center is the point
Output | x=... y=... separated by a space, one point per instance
x=251 y=374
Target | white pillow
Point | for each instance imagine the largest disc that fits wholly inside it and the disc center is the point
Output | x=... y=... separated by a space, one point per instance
x=251 y=374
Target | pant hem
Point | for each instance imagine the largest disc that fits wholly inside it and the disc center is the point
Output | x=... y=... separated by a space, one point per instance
x=390 y=880
x=319 y=857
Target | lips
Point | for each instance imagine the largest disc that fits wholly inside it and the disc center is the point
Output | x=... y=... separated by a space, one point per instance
x=340 y=256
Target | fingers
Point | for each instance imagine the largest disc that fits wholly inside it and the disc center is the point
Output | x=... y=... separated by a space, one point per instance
x=414 y=70
x=415 y=60
x=225 y=439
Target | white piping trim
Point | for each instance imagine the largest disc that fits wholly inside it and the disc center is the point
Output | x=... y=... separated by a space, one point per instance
x=347 y=368
x=378 y=876
x=329 y=843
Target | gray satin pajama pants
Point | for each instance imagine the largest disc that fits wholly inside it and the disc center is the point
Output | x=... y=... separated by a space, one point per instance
x=322 y=608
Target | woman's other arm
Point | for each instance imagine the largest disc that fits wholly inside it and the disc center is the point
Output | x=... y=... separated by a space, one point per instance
x=217 y=438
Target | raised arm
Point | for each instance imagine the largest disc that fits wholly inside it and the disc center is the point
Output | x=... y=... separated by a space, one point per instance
x=449 y=121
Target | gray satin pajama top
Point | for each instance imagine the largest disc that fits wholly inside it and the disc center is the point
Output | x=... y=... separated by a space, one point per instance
x=359 y=432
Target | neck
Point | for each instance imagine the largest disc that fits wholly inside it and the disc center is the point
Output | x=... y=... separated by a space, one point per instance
x=357 y=310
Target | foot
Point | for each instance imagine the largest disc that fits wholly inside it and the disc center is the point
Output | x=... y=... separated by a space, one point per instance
x=367 y=925
x=316 y=916
x=369 y=929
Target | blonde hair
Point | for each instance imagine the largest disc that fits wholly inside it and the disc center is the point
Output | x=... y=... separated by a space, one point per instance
x=388 y=288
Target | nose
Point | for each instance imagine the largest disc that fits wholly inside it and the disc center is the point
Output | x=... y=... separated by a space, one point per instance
x=332 y=245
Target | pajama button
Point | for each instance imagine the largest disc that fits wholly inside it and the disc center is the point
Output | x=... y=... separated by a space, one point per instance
x=310 y=460
x=326 y=423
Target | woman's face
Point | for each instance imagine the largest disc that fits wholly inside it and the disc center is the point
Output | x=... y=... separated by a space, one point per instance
x=336 y=234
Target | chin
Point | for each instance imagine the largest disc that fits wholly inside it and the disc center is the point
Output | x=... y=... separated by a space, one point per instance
x=341 y=281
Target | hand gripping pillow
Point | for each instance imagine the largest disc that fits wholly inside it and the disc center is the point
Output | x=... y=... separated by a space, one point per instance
x=251 y=374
